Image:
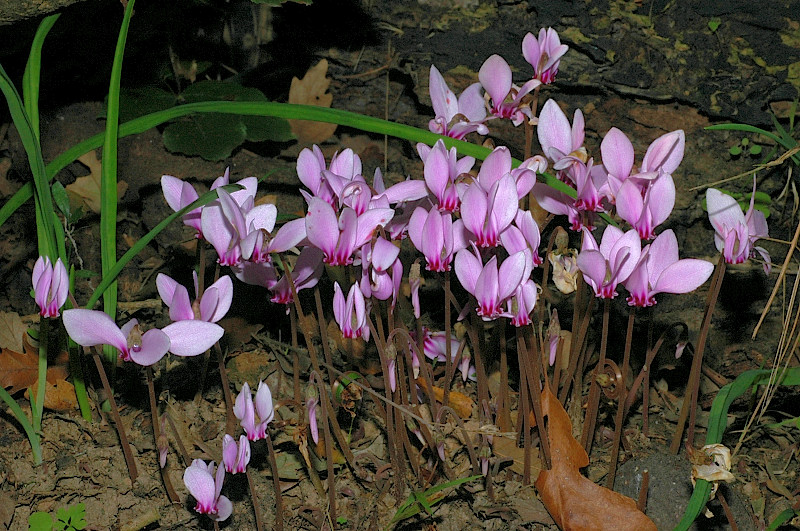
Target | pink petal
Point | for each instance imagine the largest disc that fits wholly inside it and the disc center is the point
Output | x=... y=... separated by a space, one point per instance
x=180 y=307
x=629 y=202
x=442 y=98
x=322 y=227
x=155 y=343
x=200 y=483
x=264 y=407
x=665 y=153
x=617 y=153
x=92 y=327
x=216 y=300
x=468 y=268
x=495 y=76
x=723 y=211
x=554 y=130
x=190 y=338
x=684 y=276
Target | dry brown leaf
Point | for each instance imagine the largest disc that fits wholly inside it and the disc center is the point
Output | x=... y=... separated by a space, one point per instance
x=503 y=447
x=461 y=403
x=574 y=502
x=12 y=330
x=311 y=90
x=21 y=370
x=58 y=396
x=85 y=191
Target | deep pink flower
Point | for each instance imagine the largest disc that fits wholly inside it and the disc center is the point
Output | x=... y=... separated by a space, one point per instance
x=211 y=307
x=557 y=138
x=350 y=313
x=436 y=236
x=244 y=410
x=607 y=265
x=339 y=238
x=50 y=286
x=660 y=271
x=647 y=205
x=544 y=54
x=441 y=170
x=206 y=488
x=506 y=98
x=235 y=457
x=456 y=118
x=490 y=285
x=736 y=232
x=487 y=213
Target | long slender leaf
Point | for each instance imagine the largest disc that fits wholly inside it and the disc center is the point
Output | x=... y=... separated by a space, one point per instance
x=32 y=75
x=136 y=248
x=717 y=423
x=108 y=176
x=280 y=110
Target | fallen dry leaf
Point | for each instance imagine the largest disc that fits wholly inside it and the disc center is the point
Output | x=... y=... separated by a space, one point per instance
x=311 y=90
x=58 y=396
x=461 y=403
x=574 y=502
x=85 y=191
x=21 y=370
x=503 y=447
x=12 y=330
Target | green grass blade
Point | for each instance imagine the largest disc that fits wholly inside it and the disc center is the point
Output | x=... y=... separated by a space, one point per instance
x=112 y=274
x=108 y=176
x=280 y=110
x=749 y=129
x=44 y=201
x=33 y=437
x=32 y=75
x=716 y=428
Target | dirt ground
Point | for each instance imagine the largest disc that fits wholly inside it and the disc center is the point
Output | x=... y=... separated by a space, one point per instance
x=645 y=67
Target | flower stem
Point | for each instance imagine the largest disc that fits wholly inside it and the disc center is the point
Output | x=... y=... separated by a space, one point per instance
x=622 y=394
x=693 y=387
x=38 y=407
x=171 y=494
x=587 y=435
x=254 y=495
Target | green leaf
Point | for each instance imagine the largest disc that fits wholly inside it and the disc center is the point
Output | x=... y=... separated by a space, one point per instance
x=745 y=141
x=713 y=24
x=40 y=521
x=72 y=517
x=755 y=150
x=61 y=199
x=735 y=150
x=138 y=102
x=211 y=136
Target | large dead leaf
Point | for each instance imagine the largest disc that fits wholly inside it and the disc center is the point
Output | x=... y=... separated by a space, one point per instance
x=21 y=370
x=85 y=191
x=573 y=501
x=311 y=90
x=503 y=447
x=12 y=329
x=58 y=395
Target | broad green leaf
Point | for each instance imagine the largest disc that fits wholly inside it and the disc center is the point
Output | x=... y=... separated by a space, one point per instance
x=134 y=103
x=40 y=521
x=211 y=136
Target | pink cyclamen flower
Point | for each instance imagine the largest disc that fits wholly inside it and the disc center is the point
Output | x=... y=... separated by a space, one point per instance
x=647 y=205
x=441 y=170
x=558 y=139
x=312 y=402
x=183 y=338
x=456 y=118
x=736 y=232
x=180 y=194
x=607 y=265
x=211 y=307
x=495 y=76
x=224 y=227
x=206 y=488
x=92 y=327
x=235 y=457
x=660 y=271
x=487 y=213
x=521 y=305
x=523 y=234
x=339 y=237
x=490 y=285
x=544 y=54
x=244 y=411
x=350 y=313
x=436 y=236
x=50 y=286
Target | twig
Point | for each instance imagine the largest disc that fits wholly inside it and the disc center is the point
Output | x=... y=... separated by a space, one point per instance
x=171 y=494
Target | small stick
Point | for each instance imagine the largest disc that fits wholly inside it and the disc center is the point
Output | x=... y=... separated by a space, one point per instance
x=503 y=402
x=641 y=502
x=587 y=436
x=728 y=512
x=534 y=379
x=621 y=396
x=693 y=387
x=171 y=494
x=126 y=448
x=273 y=463
x=230 y=422
x=447 y=347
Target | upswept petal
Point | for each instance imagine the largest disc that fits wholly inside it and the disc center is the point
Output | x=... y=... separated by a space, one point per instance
x=92 y=327
x=495 y=76
x=630 y=203
x=723 y=211
x=594 y=267
x=661 y=199
x=384 y=253
x=468 y=268
x=322 y=227
x=261 y=217
x=180 y=307
x=443 y=99
x=219 y=232
x=369 y=221
x=554 y=130
x=289 y=235
x=504 y=201
x=511 y=274
x=190 y=338
x=683 y=276
x=475 y=209
x=665 y=153
x=662 y=253
x=200 y=483
x=472 y=105
x=437 y=170
x=487 y=290
x=409 y=190
x=617 y=152
x=263 y=403
x=496 y=165
x=309 y=167
x=215 y=308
